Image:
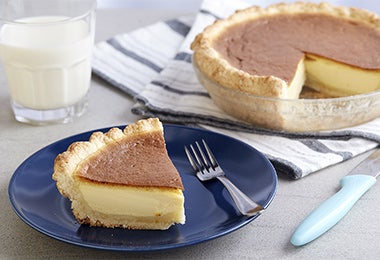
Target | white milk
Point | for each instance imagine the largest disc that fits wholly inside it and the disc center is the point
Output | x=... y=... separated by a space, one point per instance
x=48 y=66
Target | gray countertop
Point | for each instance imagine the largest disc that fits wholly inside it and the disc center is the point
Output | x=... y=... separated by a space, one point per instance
x=357 y=236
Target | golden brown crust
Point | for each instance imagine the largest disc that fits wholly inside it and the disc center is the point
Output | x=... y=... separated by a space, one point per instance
x=210 y=62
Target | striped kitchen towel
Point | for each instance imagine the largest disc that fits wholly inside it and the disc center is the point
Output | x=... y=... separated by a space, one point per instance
x=153 y=65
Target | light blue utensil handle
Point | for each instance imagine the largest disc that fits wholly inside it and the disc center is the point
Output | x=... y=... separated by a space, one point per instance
x=332 y=210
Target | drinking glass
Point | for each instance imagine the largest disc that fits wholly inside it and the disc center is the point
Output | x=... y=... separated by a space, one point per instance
x=46 y=49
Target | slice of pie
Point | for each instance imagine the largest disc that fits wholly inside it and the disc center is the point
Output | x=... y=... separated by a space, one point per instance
x=122 y=179
x=275 y=51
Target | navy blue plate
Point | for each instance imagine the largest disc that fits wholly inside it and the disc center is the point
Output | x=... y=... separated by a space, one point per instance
x=210 y=212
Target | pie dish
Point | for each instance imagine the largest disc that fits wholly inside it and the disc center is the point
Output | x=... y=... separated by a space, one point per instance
x=274 y=52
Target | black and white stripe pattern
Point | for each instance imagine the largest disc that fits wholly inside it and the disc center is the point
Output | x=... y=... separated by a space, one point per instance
x=153 y=65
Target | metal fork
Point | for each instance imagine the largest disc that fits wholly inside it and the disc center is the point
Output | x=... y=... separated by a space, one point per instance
x=207 y=168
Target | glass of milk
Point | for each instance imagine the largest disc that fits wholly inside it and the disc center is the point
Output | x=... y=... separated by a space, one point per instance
x=45 y=49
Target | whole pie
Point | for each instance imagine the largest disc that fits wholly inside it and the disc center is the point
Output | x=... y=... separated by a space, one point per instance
x=275 y=51
x=122 y=178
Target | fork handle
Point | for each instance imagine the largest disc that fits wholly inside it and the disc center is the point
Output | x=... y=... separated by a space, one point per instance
x=245 y=205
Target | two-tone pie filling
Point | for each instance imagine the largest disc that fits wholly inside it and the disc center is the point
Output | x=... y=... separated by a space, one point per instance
x=132 y=177
x=122 y=178
x=275 y=51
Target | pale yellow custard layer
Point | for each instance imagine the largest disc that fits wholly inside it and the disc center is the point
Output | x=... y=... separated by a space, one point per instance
x=133 y=201
x=339 y=79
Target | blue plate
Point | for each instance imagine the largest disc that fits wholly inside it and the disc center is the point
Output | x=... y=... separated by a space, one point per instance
x=210 y=212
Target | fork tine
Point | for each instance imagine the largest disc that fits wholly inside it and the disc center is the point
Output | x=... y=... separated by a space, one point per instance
x=205 y=160
x=194 y=159
x=191 y=159
x=201 y=164
x=213 y=161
